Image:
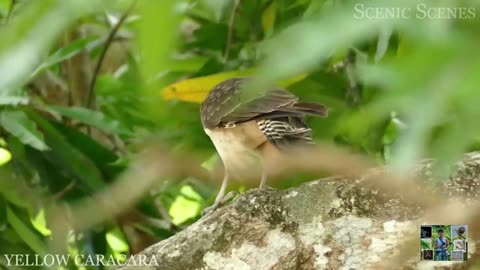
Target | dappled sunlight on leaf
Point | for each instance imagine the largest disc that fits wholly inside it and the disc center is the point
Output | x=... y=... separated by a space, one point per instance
x=186 y=205
x=40 y=223
x=5 y=156
x=116 y=241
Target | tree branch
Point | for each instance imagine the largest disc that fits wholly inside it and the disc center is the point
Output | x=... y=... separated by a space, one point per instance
x=324 y=224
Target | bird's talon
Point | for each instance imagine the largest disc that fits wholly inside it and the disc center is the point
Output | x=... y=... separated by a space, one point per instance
x=219 y=203
x=230 y=195
x=209 y=209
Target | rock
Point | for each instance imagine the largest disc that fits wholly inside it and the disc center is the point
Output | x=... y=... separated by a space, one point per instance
x=333 y=223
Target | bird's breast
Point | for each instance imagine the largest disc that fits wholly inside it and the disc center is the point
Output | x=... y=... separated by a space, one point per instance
x=238 y=148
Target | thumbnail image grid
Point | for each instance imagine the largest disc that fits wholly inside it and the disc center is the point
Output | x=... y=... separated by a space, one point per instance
x=443 y=242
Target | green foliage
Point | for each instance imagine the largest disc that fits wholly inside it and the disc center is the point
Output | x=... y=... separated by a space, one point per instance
x=92 y=118
x=425 y=244
x=26 y=232
x=67 y=52
x=18 y=124
x=68 y=158
x=398 y=90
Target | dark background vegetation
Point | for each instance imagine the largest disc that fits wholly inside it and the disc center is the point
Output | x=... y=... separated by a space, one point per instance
x=85 y=86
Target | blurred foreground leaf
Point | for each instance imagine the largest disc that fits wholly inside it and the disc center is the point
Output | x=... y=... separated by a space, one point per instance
x=68 y=157
x=13 y=100
x=67 y=52
x=25 y=232
x=30 y=36
x=18 y=124
x=92 y=118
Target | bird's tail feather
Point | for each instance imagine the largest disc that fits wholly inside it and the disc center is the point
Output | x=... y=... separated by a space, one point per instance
x=311 y=108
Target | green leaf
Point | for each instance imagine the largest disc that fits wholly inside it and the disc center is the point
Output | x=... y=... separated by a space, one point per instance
x=268 y=17
x=92 y=118
x=158 y=48
x=68 y=51
x=3 y=213
x=40 y=223
x=31 y=34
x=186 y=205
x=13 y=244
x=13 y=100
x=214 y=10
x=314 y=8
x=383 y=41
x=25 y=232
x=5 y=156
x=69 y=158
x=103 y=158
x=18 y=124
x=116 y=240
x=11 y=189
x=4 y=6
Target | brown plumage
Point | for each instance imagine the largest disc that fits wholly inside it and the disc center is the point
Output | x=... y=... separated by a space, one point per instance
x=223 y=105
x=248 y=132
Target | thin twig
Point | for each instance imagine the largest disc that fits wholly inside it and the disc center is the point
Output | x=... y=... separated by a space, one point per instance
x=57 y=196
x=108 y=42
x=231 y=26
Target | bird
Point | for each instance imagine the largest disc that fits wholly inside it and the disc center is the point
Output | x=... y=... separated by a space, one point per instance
x=248 y=131
x=460 y=232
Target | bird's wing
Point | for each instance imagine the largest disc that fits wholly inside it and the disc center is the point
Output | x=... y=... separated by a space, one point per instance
x=226 y=105
x=268 y=104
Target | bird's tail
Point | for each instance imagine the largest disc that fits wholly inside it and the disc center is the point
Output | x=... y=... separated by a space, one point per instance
x=311 y=108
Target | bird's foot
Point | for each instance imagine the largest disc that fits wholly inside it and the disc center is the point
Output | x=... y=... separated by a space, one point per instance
x=219 y=203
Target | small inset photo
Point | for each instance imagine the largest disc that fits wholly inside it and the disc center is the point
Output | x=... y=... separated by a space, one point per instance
x=459 y=245
x=426 y=232
x=457 y=255
x=442 y=242
x=426 y=243
x=427 y=255
x=459 y=232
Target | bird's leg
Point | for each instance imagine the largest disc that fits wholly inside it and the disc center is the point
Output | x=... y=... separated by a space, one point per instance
x=221 y=198
x=223 y=188
x=263 y=181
